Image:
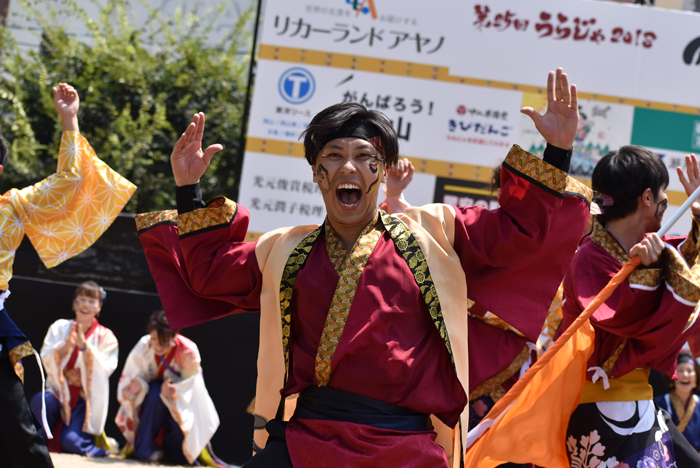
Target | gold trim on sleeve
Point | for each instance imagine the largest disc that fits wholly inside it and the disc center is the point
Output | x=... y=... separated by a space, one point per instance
x=16 y=354
x=679 y=277
x=149 y=220
x=537 y=170
x=649 y=277
x=497 y=380
x=219 y=212
x=574 y=187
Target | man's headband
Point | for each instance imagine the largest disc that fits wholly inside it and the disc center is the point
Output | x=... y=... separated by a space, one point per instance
x=357 y=129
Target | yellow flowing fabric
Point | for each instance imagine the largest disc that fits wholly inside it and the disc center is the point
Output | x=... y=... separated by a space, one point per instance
x=65 y=213
x=62 y=215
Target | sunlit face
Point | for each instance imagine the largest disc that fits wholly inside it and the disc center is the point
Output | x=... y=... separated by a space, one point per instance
x=687 y=379
x=158 y=348
x=86 y=307
x=348 y=172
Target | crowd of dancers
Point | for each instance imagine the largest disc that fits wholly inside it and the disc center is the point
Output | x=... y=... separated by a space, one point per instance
x=387 y=333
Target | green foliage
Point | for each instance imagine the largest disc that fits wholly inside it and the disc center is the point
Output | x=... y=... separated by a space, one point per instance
x=139 y=87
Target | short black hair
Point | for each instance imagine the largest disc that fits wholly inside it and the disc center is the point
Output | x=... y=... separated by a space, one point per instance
x=624 y=175
x=331 y=118
x=159 y=323
x=4 y=151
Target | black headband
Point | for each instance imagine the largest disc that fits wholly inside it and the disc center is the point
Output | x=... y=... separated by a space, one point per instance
x=356 y=129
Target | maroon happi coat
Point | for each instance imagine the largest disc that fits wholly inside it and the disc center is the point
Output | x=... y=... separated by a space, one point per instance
x=390 y=348
x=649 y=317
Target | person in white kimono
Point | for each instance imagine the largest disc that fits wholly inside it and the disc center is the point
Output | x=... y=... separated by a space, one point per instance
x=79 y=356
x=162 y=388
x=62 y=215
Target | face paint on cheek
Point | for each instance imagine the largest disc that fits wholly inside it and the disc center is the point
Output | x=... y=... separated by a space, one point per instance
x=661 y=209
x=375 y=167
x=322 y=176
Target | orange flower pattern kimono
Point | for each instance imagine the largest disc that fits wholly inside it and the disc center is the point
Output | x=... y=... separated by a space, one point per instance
x=62 y=215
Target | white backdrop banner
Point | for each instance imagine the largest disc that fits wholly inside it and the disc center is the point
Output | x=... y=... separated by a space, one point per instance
x=452 y=76
x=607 y=48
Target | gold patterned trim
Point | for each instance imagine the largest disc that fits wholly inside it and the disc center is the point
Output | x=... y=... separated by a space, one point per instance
x=335 y=248
x=349 y=266
x=576 y=188
x=555 y=315
x=495 y=321
x=648 y=277
x=146 y=221
x=689 y=247
x=679 y=277
x=684 y=415
x=295 y=262
x=219 y=212
x=608 y=365
x=412 y=253
x=407 y=245
x=16 y=354
x=498 y=393
x=602 y=238
x=492 y=384
x=537 y=170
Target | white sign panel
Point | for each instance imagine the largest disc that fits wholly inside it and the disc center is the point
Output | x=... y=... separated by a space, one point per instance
x=606 y=47
x=450 y=77
x=434 y=120
x=279 y=191
x=410 y=31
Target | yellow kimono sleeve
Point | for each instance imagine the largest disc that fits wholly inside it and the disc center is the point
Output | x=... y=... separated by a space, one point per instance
x=68 y=211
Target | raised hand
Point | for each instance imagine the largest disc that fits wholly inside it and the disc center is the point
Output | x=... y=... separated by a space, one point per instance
x=560 y=123
x=188 y=160
x=692 y=181
x=398 y=177
x=649 y=250
x=67 y=102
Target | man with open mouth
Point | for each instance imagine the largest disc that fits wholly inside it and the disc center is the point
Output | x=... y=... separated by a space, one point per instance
x=364 y=316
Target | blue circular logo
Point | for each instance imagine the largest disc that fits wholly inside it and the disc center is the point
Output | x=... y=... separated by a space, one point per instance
x=297 y=85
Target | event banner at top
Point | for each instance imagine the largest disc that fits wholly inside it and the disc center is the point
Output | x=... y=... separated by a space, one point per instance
x=608 y=48
x=403 y=30
x=452 y=77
